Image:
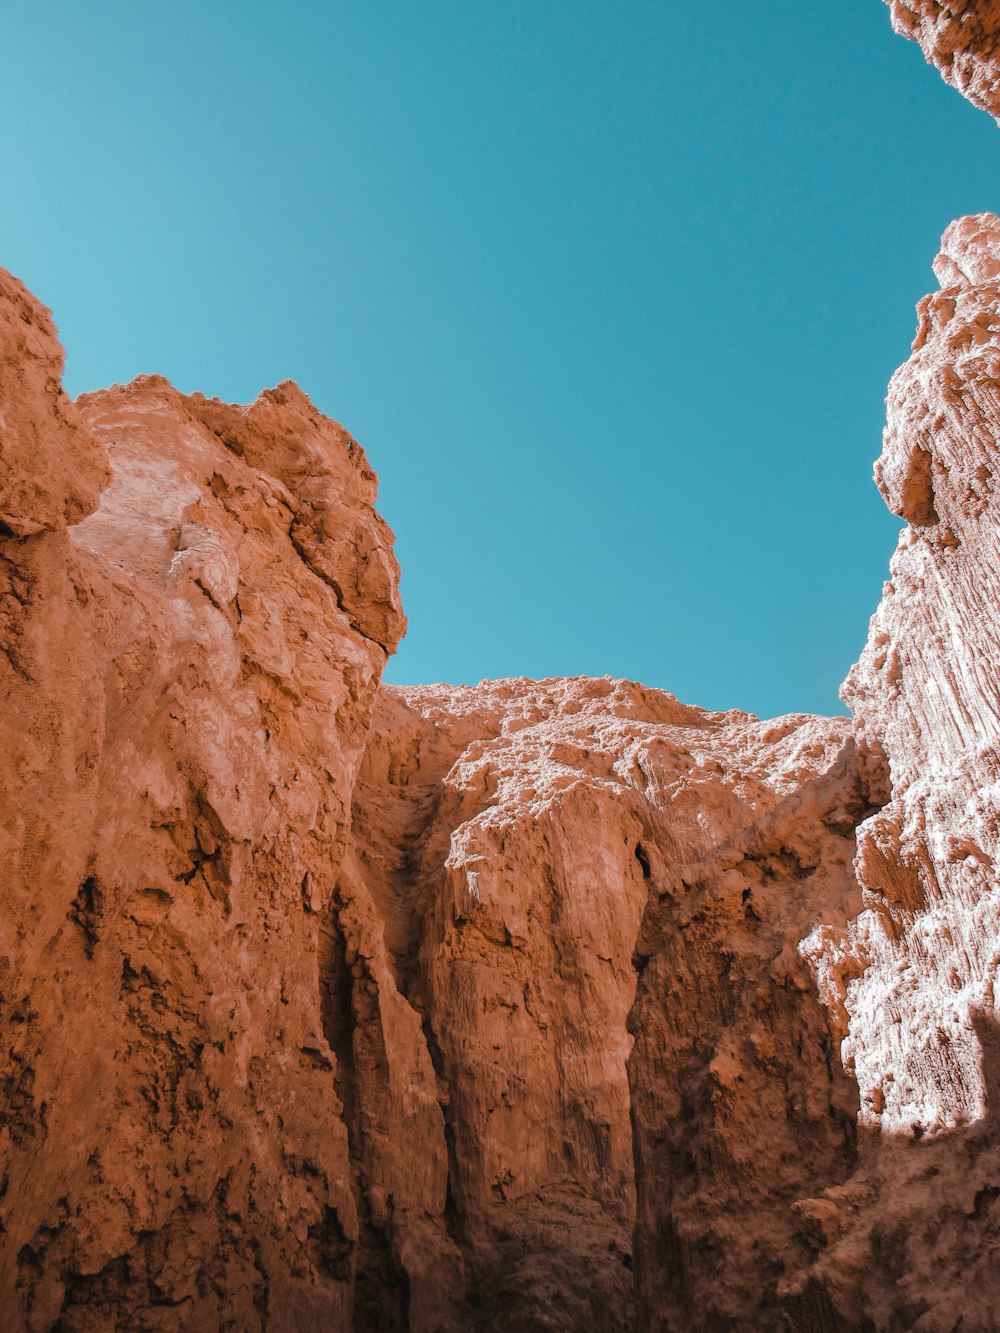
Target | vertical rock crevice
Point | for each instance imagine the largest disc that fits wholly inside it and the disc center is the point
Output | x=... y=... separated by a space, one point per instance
x=185 y=707
x=741 y=1108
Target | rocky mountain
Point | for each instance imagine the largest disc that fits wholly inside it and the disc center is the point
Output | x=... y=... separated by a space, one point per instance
x=552 y=1005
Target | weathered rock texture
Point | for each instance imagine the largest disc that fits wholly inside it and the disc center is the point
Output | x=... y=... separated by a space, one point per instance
x=922 y=1011
x=540 y=1005
x=592 y=897
x=291 y=1045
x=961 y=39
x=187 y=675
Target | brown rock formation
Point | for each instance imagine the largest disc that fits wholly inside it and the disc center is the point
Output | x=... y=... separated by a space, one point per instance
x=534 y=1020
x=592 y=896
x=51 y=470
x=541 y=1005
x=922 y=1010
x=961 y=40
x=187 y=677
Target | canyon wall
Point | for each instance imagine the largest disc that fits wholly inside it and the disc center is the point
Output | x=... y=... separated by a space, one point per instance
x=197 y=603
x=490 y=1014
x=591 y=898
x=550 y=1005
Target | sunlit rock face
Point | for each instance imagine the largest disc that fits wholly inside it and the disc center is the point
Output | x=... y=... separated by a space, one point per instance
x=928 y=688
x=961 y=39
x=196 y=603
x=913 y=1238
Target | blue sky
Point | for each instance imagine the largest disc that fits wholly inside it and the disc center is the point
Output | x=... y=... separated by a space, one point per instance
x=610 y=294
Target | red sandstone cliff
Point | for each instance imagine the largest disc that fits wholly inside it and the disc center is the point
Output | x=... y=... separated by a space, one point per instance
x=961 y=39
x=197 y=602
x=541 y=1005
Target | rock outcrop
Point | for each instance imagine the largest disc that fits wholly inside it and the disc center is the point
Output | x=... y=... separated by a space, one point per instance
x=197 y=603
x=591 y=899
x=961 y=39
x=413 y=1045
x=922 y=1012
x=537 y=1005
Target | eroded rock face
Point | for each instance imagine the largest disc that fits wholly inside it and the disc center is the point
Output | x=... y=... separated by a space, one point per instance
x=927 y=687
x=537 y=1005
x=187 y=677
x=51 y=470
x=961 y=39
x=585 y=902
x=922 y=1012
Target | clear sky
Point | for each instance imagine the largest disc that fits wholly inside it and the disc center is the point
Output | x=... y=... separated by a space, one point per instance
x=610 y=293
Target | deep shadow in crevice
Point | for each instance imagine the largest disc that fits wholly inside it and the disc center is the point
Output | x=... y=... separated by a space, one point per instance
x=381 y=1286
x=922 y=1213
